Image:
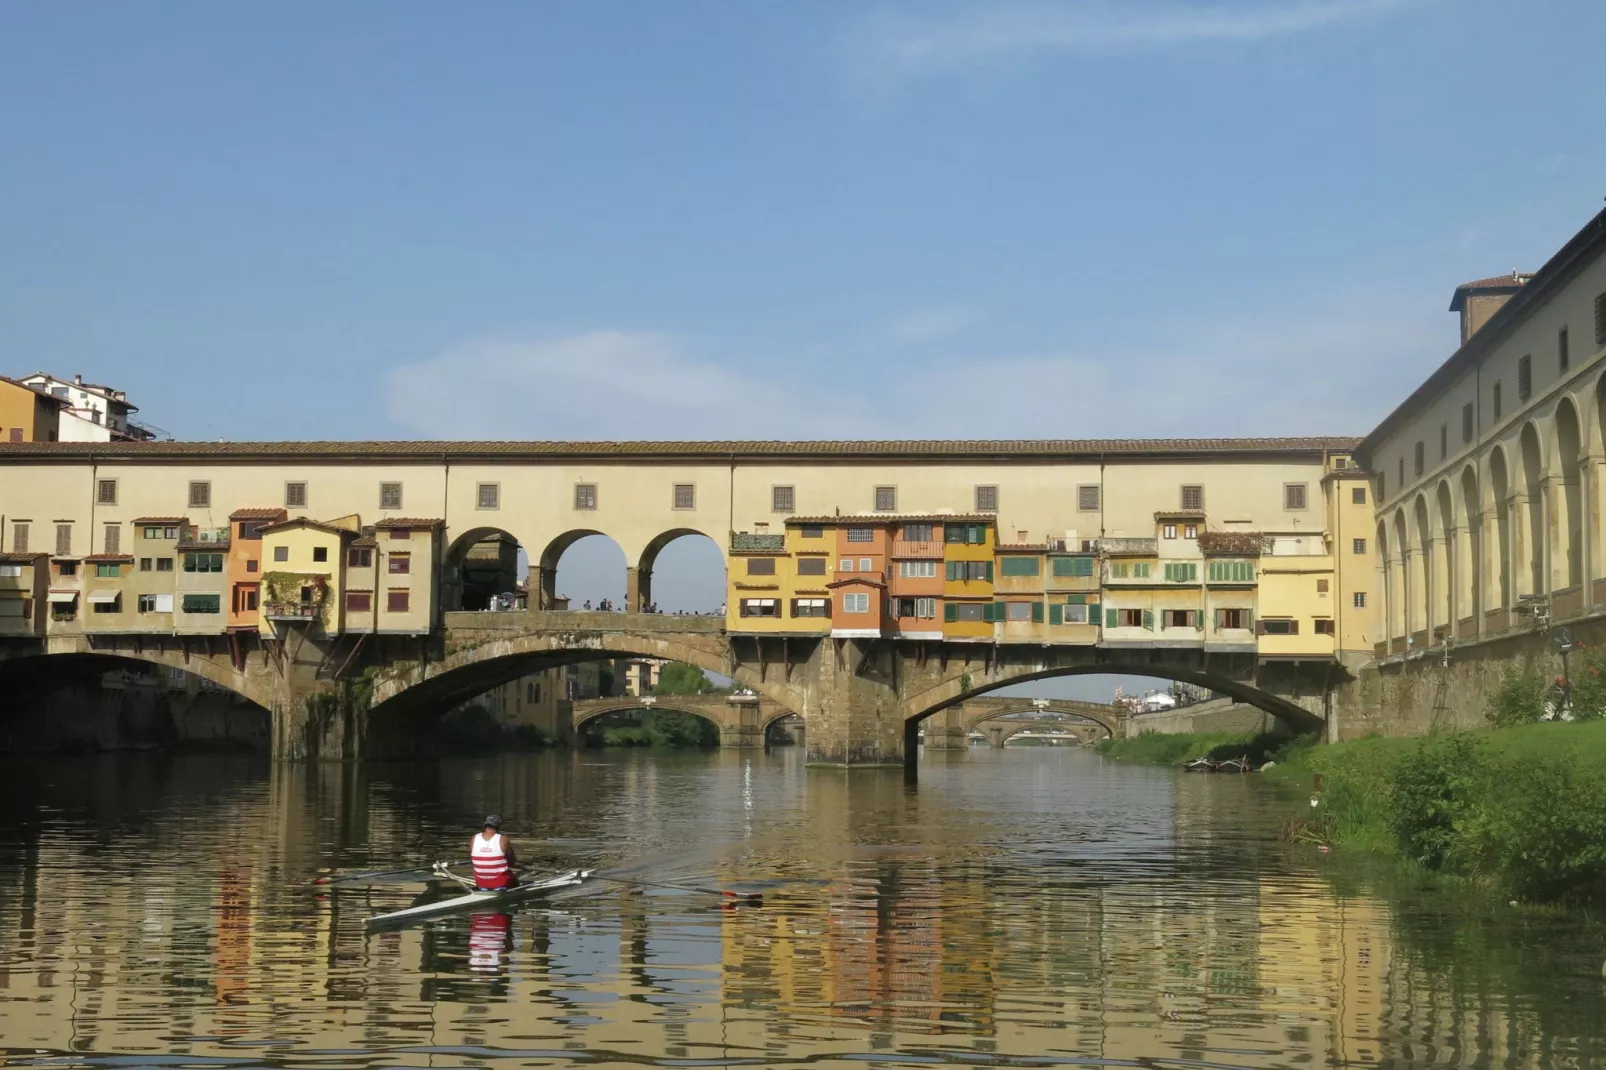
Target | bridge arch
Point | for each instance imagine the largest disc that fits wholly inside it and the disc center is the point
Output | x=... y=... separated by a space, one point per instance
x=1016 y=728
x=1109 y=723
x=479 y=564
x=544 y=570
x=643 y=592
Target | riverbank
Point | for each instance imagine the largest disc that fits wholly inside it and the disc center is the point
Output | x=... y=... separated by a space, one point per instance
x=1155 y=748
x=1520 y=811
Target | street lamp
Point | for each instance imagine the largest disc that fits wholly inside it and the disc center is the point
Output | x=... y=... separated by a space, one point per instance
x=1564 y=644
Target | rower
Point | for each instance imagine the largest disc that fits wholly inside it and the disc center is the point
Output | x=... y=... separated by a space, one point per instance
x=493 y=857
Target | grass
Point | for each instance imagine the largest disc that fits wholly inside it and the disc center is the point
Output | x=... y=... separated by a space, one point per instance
x=1154 y=748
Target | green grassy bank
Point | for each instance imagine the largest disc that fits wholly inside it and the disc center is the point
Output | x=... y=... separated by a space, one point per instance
x=1521 y=810
x=1153 y=748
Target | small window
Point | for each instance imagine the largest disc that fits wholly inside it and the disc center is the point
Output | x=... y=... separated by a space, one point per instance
x=359 y=601
x=761 y=566
x=1128 y=618
x=281 y=553
x=200 y=494
x=251 y=530
x=1087 y=498
x=1496 y=399
x=866 y=565
x=918 y=533
x=1360 y=599
x=1074 y=614
x=1321 y=586
x=106 y=492
x=19 y=538
x=390 y=495
x=63 y=539
x=252 y=565
x=811 y=531
x=67 y=568
x=1358 y=546
x=360 y=557
x=585 y=495
x=1357 y=495
x=685 y=496
x=107 y=570
x=164 y=564
x=1229 y=619
x=811 y=607
x=1168 y=531
x=399 y=564
x=114 y=606
x=809 y=566
x=1324 y=625
x=114 y=538
x=1018 y=611
x=147 y=603
x=1525 y=378
x=1192 y=497
x=845 y=565
x=861 y=534
x=400 y=533
x=202 y=603
x=488 y=496
x=969 y=612
x=1419 y=458
x=1178 y=618
x=295 y=495
x=1402 y=472
x=760 y=607
x=1468 y=422
x=1279 y=627
x=397 y=601
x=1444 y=441
x=1563 y=358
x=1294 y=496
x=320 y=553
x=986 y=499
x=886 y=499
x=144 y=564
x=856 y=603
x=1190 y=531
x=783 y=500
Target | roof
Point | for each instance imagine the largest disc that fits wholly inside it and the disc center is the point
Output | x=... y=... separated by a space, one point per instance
x=365 y=541
x=61 y=403
x=408 y=522
x=12 y=558
x=715 y=451
x=106 y=559
x=263 y=512
x=1017 y=547
x=1581 y=250
x=1510 y=282
x=304 y=522
x=160 y=520
x=861 y=519
x=864 y=579
x=1179 y=514
x=93 y=388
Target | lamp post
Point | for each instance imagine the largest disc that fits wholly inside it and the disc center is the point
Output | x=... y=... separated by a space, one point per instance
x=1564 y=644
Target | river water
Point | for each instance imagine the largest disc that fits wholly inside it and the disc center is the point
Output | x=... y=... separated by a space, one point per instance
x=1024 y=907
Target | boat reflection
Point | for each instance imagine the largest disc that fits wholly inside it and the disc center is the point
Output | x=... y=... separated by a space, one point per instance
x=490 y=936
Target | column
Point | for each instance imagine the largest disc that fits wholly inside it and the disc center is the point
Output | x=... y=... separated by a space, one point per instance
x=1451 y=578
x=853 y=720
x=945 y=730
x=1589 y=527
x=633 y=599
x=1553 y=497
x=1519 y=570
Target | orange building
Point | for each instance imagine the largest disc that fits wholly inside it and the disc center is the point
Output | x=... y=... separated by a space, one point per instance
x=859 y=591
x=245 y=565
x=915 y=578
x=28 y=415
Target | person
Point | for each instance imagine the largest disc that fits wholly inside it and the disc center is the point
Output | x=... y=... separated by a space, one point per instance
x=588 y=603
x=493 y=857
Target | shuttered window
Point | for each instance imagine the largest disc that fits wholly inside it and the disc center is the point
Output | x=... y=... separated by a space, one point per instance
x=63 y=540
x=987 y=499
x=202 y=603
x=811 y=566
x=969 y=534
x=761 y=566
x=1294 y=496
x=585 y=495
x=1087 y=498
x=114 y=538
x=685 y=496
x=1181 y=571
x=1073 y=566
x=1525 y=377
x=489 y=496
x=397 y=601
x=782 y=499
x=1232 y=571
x=886 y=499
x=200 y=494
x=1020 y=566
x=1192 y=497
x=295 y=495
x=106 y=492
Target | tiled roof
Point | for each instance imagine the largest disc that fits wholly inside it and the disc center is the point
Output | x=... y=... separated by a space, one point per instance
x=721 y=451
x=1016 y=547
x=263 y=512
x=865 y=579
x=304 y=522
x=408 y=522
x=364 y=541
x=160 y=520
x=861 y=519
x=1510 y=282
x=1179 y=514
x=61 y=403
x=106 y=559
x=11 y=558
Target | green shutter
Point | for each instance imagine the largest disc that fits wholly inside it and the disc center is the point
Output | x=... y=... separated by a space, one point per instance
x=1037 y=612
x=976 y=535
x=953 y=570
x=1084 y=566
x=1056 y=613
x=950 y=611
x=1148 y=620
x=1076 y=600
x=987 y=571
x=1109 y=618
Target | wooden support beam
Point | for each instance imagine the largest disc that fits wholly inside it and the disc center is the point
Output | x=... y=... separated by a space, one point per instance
x=362 y=637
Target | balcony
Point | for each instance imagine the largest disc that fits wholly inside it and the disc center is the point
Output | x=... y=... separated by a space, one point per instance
x=196 y=538
x=763 y=542
x=1129 y=547
x=290 y=610
x=917 y=551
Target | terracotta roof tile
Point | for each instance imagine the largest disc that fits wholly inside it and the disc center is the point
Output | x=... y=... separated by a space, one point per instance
x=862 y=519
x=365 y=541
x=107 y=559
x=1016 y=547
x=305 y=522
x=12 y=558
x=266 y=512
x=160 y=520
x=408 y=522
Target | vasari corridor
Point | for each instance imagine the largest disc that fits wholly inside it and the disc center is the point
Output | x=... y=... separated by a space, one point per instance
x=914 y=533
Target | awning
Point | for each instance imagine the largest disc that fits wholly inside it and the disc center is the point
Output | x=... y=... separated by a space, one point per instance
x=63 y=596
x=103 y=597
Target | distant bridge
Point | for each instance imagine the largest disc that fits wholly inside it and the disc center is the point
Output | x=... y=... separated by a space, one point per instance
x=741 y=719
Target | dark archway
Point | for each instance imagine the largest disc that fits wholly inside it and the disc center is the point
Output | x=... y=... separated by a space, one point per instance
x=482 y=570
x=1533 y=482
x=1472 y=516
x=682 y=570
x=1500 y=488
x=787 y=730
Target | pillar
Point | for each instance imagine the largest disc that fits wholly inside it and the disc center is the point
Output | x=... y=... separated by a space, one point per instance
x=1553 y=567
x=633 y=598
x=1450 y=574
x=945 y=730
x=855 y=719
x=543 y=587
x=1588 y=525
x=1519 y=569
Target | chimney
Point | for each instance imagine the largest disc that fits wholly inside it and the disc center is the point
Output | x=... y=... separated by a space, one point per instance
x=1480 y=300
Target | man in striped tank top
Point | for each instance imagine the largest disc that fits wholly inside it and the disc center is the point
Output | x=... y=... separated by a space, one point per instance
x=493 y=857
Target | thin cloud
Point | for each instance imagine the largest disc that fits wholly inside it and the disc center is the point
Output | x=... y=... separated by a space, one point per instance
x=931 y=324
x=979 y=34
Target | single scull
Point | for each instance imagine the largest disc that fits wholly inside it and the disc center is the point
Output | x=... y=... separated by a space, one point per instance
x=480 y=900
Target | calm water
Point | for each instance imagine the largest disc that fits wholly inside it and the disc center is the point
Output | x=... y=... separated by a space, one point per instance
x=1019 y=908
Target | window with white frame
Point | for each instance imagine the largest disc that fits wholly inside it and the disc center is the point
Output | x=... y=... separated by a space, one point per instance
x=917 y=570
x=760 y=607
x=855 y=603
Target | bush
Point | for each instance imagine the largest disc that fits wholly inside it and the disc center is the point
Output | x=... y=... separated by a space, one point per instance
x=1432 y=793
x=1589 y=683
x=1519 y=698
x=1541 y=834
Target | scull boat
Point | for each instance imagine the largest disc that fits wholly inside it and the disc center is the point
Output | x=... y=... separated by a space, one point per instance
x=479 y=899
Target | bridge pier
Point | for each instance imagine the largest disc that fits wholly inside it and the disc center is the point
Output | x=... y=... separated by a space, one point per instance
x=945 y=730
x=854 y=712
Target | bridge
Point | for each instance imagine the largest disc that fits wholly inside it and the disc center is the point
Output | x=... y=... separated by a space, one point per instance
x=999 y=718
x=742 y=720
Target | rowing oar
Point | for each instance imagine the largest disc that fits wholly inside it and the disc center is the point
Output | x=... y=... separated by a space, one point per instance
x=334 y=879
x=754 y=898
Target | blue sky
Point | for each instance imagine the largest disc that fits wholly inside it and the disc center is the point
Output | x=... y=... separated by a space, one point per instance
x=700 y=219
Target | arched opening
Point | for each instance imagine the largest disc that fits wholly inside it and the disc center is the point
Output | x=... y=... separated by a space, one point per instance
x=648 y=726
x=585 y=570
x=786 y=730
x=1472 y=535
x=1406 y=586
x=485 y=568
x=1569 y=571
x=1450 y=564
x=1422 y=574
x=680 y=571
x=1500 y=489
x=1385 y=569
x=1533 y=483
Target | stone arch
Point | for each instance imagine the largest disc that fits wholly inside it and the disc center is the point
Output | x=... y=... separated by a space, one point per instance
x=1500 y=501
x=1424 y=571
x=27 y=676
x=1016 y=728
x=1470 y=540
x=1404 y=589
x=636 y=704
x=1385 y=569
x=1109 y=724
x=1533 y=508
x=477 y=565
x=641 y=587
x=1450 y=566
x=545 y=569
x=1567 y=555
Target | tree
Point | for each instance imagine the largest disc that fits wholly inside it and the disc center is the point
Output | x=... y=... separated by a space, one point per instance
x=678 y=678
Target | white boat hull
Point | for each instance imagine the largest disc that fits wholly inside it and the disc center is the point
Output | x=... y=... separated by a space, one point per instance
x=482 y=900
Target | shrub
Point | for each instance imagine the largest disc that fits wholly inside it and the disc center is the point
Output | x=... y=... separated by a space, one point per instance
x=1431 y=796
x=1541 y=834
x=1589 y=683
x=1519 y=698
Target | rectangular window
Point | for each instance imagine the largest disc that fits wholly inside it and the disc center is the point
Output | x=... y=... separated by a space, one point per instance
x=1087 y=498
x=1467 y=422
x=295 y=495
x=759 y=607
x=811 y=607
x=1169 y=531
x=360 y=557
x=113 y=606
x=1128 y=618
x=1120 y=570
x=281 y=553
x=1357 y=495
x=1231 y=571
x=968 y=612
x=1018 y=611
x=1358 y=546
x=986 y=499
x=886 y=499
x=969 y=534
x=106 y=492
x=1178 y=618
x=1073 y=614
x=202 y=603
x=1181 y=572
x=856 y=603
x=845 y=565
x=108 y=571
x=359 y=601
x=251 y=530
x=861 y=534
x=1419 y=458
x=966 y=571
x=400 y=533
x=399 y=564
x=1324 y=625
x=1192 y=497
x=782 y=499
x=1294 y=496
x=144 y=564
x=1230 y=618
x=397 y=601
x=917 y=570
x=811 y=531
x=488 y=496
x=63 y=539
x=1496 y=399
x=1402 y=472
x=200 y=494
x=761 y=566
x=685 y=496
x=67 y=568
x=1020 y=566
x=11 y=571
x=251 y=565
x=1444 y=441
x=811 y=566
x=866 y=565
x=1525 y=377
x=1140 y=570
x=390 y=495
x=1190 y=531
x=114 y=539
x=1322 y=586
x=1279 y=627
x=147 y=603
x=203 y=562
x=164 y=564
x=1563 y=358
x=1073 y=566
x=1360 y=600
x=919 y=533
x=19 y=538
x=320 y=553
x=925 y=608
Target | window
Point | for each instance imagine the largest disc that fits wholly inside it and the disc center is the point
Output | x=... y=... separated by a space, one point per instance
x=1169 y=531
x=1190 y=531
x=845 y=565
x=390 y=495
x=397 y=601
x=488 y=496
x=106 y=492
x=1467 y=422
x=295 y=495
x=1358 y=546
x=164 y=564
x=252 y=565
x=114 y=538
x=812 y=531
x=861 y=534
x=886 y=499
x=917 y=570
x=1087 y=498
x=761 y=566
x=782 y=499
x=966 y=612
x=1140 y=570
x=1402 y=471
x=919 y=533
x=1525 y=377
x=144 y=564
x=969 y=534
x=1419 y=458
x=855 y=603
x=1072 y=614
x=1232 y=572
x=1357 y=495
x=147 y=603
x=1497 y=399
x=811 y=607
x=1128 y=618
x=108 y=570
x=400 y=533
x=1120 y=570
x=245 y=598
x=200 y=494
x=1279 y=627
x=202 y=603
x=360 y=557
x=986 y=499
x=1018 y=611
x=1444 y=441
x=966 y=571
x=585 y=495
x=1192 y=497
x=1231 y=618
x=19 y=538
x=1181 y=572
x=1073 y=566
x=1324 y=625
x=1020 y=566
x=917 y=608
x=1179 y=618
x=1294 y=496
x=107 y=605
x=63 y=539
x=1563 y=359
x=1359 y=600
x=866 y=565
x=11 y=571
x=359 y=601
x=203 y=562
x=685 y=496
x=281 y=553
x=320 y=553
x=399 y=564
x=811 y=566
x=1322 y=586
x=251 y=530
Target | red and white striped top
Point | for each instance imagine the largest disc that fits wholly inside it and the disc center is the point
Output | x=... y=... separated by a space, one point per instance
x=490 y=862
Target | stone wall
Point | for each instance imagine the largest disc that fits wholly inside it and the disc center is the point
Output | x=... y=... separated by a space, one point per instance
x=1217 y=715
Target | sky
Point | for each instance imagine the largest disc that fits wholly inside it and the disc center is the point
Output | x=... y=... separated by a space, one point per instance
x=638 y=219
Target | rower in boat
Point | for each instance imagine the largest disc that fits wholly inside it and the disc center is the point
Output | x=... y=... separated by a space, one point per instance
x=493 y=857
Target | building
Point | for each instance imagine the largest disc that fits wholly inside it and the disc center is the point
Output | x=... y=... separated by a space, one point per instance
x=245 y=565
x=91 y=412
x=28 y=414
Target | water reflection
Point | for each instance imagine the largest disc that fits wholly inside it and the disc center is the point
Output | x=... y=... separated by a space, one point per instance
x=1028 y=905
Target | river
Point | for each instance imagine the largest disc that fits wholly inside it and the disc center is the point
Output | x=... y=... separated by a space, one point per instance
x=1023 y=907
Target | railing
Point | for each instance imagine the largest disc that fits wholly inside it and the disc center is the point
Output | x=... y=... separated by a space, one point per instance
x=290 y=610
x=209 y=537
x=931 y=549
x=1129 y=546
x=759 y=542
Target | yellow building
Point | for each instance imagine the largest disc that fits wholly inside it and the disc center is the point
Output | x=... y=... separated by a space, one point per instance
x=24 y=581
x=968 y=573
x=404 y=571
x=305 y=579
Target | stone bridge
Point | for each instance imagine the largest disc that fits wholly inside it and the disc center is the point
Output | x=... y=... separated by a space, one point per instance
x=1000 y=718
x=741 y=719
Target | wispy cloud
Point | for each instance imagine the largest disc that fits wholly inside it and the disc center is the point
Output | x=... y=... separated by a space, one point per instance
x=931 y=324
x=977 y=34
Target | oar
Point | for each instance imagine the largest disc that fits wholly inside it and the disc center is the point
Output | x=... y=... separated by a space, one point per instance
x=340 y=879
x=744 y=897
